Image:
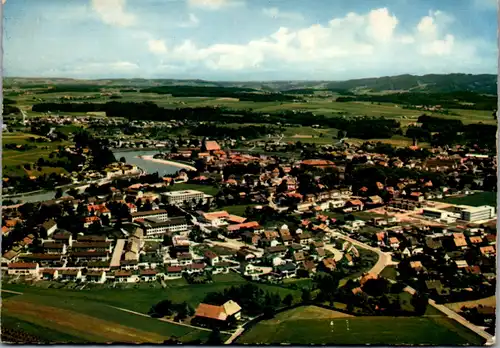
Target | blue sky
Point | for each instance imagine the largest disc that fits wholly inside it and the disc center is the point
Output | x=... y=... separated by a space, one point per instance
x=248 y=39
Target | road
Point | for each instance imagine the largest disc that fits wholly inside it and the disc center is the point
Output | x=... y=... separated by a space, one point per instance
x=235 y=335
x=167 y=320
x=490 y=340
x=384 y=259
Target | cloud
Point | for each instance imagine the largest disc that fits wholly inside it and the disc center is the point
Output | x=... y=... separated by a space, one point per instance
x=193 y=21
x=157 y=46
x=214 y=4
x=275 y=13
x=359 y=41
x=113 y=12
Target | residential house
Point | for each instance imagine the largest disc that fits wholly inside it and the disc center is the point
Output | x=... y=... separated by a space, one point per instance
x=95 y=276
x=148 y=275
x=211 y=257
x=122 y=276
x=25 y=269
x=54 y=248
x=50 y=274
x=328 y=264
x=286 y=270
x=70 y=274
x=50 y=227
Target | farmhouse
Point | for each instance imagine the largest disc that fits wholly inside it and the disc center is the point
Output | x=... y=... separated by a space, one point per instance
x=211 y=315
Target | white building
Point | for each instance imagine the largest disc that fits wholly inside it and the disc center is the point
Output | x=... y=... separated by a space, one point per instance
x=159 y=214
x=24 y=269
x=154 y=228
x=184 y=196
x=468 y=213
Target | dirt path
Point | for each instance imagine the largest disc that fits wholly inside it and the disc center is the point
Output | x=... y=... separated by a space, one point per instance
x=168 y=321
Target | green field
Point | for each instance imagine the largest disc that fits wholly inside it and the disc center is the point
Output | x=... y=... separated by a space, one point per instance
x=235 y=209
x=475 y=200
x=68 y=310
x=313 y=329
x=208 y=189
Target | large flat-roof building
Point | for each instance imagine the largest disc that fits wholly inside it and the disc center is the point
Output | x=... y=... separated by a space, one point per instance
x=471 y=214
x=159 y=214
x=184 y=196
x=155 y=229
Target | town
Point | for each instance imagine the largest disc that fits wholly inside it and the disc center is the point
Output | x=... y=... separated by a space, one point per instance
x=349 y=213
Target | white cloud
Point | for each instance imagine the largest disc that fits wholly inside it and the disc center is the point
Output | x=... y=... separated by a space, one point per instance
x=193 y=21
x=123 y=66
x=358 y=41
x=214 y=4
x=113 y=12
x=275 y=13
x=157 y=46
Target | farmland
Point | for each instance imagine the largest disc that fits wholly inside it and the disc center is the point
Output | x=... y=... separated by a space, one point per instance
x=70 y=310
x=311 y=327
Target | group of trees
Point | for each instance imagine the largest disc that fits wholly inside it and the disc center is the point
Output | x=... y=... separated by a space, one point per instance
x=164 y=308
x=220 y=132
x=452 y=100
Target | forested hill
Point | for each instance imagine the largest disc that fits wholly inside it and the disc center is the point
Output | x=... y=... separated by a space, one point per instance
x=433 y=83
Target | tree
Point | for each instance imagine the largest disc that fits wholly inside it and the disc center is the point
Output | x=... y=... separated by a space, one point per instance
x=306 y=295
x=123 y=160
x=59 y=193
x=419 y=301
x=287 y=301
x=105 y=220
x=215 y=337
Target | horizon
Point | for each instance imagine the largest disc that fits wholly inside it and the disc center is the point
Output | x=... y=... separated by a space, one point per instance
x=232 y=81
x=242 y=40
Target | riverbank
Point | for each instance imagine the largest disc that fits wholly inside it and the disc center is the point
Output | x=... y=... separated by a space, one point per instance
x=167 y=162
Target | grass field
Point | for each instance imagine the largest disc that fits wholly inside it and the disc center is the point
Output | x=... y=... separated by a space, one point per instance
x=476 y=199
x=318 y=106
x=389 y=272
x=235 y=209
x=488 y=301
x=311 y=327
x=208 y=189
x=69 y=311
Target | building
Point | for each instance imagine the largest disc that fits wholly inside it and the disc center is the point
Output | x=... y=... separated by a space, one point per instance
x=181 y=197
x=29 y=269
x=211 y=315
x=157 y=229
x=50 y=227
x=70 y=274
x=472 y=214
x=96 y=276
x=159 y=214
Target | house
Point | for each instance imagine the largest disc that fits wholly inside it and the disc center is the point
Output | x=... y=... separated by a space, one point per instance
x=303 y=238
x=244 y=255
x=174 y=272
x=250 y=237
x=353 y=205
x=287 y=270
x=148 y=275
x=26 y=269
x=276 y=251
x=488 y=250
x=461 y=264
x=211 y=257
x=375 y=200
x=298 y=256
x=70 y=274
x=306 y=269
x=394 y=242
x=96 y=276
x=50 y=274
x=122 y=276
x=328 y=264
x=416 y=266
x=10 y=256
x=54 y=248
x=63 y=237
x=212 y=315
x=50 y=227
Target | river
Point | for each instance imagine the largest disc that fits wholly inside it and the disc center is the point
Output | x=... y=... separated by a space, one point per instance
x=131 y=157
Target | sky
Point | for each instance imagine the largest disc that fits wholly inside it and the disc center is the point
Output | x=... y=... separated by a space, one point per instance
x=248 y=39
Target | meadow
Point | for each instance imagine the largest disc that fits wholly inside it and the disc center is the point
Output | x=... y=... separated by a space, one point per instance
x=475 y=199
x=334 y=328
x=88 y=315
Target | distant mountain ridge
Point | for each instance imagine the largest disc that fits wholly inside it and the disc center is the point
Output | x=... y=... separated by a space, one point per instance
x=431 y=83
